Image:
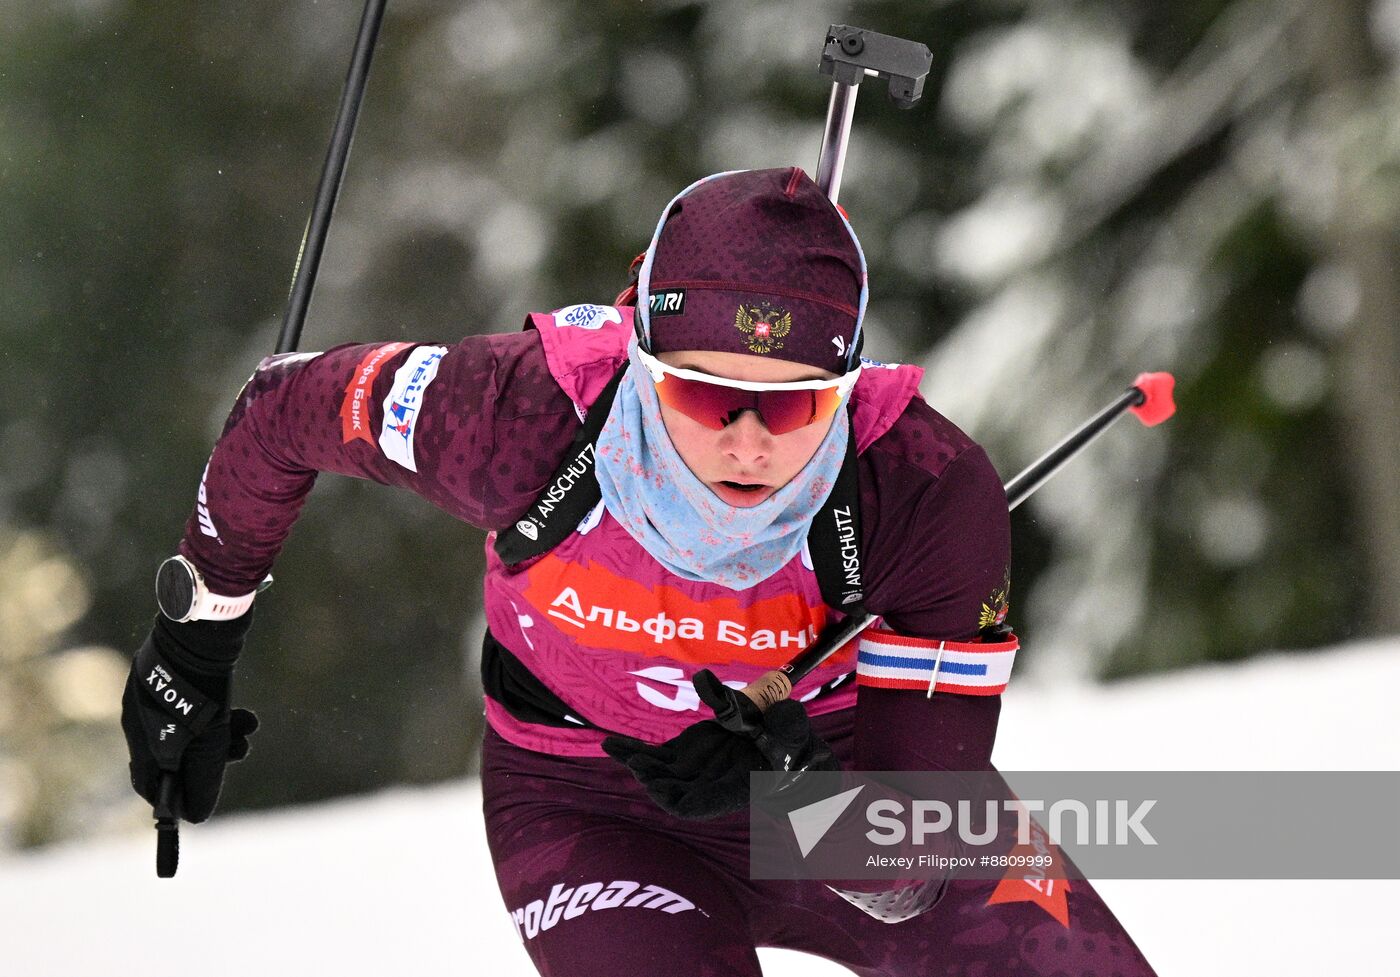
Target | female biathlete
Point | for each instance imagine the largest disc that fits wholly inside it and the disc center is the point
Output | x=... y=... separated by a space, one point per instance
x=694 y=480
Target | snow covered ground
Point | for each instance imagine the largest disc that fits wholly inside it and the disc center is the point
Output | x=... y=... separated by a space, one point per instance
x=401 y=882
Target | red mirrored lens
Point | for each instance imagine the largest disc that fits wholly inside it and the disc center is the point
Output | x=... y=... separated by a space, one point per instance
x=714 y=405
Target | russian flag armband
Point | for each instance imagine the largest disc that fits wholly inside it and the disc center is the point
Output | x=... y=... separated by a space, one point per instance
x=887 y=660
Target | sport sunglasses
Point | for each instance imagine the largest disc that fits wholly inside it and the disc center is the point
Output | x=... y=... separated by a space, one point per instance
x=716 y=401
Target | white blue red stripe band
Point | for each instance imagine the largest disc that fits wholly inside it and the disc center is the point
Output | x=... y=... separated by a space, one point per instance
x=892 y=661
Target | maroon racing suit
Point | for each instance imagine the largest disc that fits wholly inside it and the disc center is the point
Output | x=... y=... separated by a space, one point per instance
x=596 y=878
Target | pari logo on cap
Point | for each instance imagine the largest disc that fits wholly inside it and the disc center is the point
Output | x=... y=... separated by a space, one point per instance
x=671 y=301
x=765 y=326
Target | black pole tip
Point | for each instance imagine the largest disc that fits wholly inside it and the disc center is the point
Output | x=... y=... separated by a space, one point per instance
x=167 y=829
x=167 y=848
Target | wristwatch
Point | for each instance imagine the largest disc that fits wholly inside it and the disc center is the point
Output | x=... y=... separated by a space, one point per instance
x=182 y=595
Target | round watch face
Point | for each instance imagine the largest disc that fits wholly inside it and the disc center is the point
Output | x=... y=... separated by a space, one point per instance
x=175 y=588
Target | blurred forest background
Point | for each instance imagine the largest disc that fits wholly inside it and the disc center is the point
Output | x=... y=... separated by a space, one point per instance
x=1087 y=191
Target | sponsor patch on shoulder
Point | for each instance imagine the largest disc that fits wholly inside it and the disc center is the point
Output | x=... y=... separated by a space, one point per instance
x=403 y=407
x=354 y=409
x=586 y=316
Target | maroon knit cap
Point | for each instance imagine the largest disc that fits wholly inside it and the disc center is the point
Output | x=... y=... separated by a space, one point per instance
x=758 y=262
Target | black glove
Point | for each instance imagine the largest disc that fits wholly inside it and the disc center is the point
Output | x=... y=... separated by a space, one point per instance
x=176 y=716
x=704 y=772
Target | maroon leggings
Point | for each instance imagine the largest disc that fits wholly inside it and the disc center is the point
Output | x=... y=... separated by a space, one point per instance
x=598 y=880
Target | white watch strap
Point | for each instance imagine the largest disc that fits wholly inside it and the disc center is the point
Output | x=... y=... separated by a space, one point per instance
x=210 y=606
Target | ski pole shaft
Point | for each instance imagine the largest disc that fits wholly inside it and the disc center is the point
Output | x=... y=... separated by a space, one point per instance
x=1149 y=398
x=328 y=189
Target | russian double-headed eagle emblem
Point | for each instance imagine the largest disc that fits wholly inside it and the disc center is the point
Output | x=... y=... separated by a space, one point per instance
x=764 y=325
x=994 y=608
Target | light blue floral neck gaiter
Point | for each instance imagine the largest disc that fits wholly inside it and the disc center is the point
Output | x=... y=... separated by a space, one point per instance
x=678 y=520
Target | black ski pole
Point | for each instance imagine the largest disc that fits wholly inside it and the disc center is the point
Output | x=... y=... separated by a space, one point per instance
x=1149 y=398
x=328 y=189
x=303 y=281
x=167 y=829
